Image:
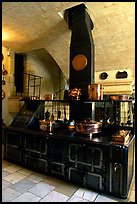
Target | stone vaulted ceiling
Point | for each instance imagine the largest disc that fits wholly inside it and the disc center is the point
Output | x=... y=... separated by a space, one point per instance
x=29 y=26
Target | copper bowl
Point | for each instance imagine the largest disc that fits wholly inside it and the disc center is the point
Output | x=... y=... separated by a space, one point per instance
x=88 y=126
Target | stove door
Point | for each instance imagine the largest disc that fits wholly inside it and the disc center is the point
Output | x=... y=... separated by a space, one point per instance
x=76 y=175
x=93 y=180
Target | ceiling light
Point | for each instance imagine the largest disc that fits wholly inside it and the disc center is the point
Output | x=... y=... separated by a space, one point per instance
x=5 y=36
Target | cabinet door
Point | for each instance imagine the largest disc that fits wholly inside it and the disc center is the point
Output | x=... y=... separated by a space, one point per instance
x=76 y=175
x=35 y=145
x=36 y=164
x=94 y=157
x=93 y=180
x=116 y=180
x=58 y=150
x=13 y=146
x=76 y=153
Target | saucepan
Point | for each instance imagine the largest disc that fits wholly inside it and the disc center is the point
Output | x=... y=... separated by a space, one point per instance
x=88 y=126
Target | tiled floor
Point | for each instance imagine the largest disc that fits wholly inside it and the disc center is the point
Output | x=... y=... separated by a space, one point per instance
x=23 y=185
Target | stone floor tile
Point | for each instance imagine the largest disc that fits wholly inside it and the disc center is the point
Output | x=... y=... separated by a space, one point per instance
x=36 y=177
x=77 y=199
x=5 y=184
x=132 y=196
x=23 y=185
x=52 y=181
x=5 y=164
x=12 y=168
x=54 y=196
x=14 y=177
x=8 y=194
x=4 y=173
x=86 y=194
x=101 y=198
x=41 y=189
x=133 y=186
x=27 y=197
x=67 y=189
x=25 y=171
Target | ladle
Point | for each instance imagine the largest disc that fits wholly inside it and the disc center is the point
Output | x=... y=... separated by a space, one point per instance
x=47 y=114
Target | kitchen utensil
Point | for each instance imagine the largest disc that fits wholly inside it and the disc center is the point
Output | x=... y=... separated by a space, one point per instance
x=49 y=96
x=118 y=97
x=46 y=125
x=65 y=118
x=47 y=114
x=59 y=112
x=3 y=94
x=88 y=126
x=4 y=71
x=71 y=125
x=3 y=81
x=52 y=115
x=74 y=94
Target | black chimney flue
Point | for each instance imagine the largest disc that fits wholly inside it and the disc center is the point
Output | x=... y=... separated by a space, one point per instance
x=81 y=48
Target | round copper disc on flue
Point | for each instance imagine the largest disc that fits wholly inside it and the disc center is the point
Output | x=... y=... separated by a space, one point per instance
x=79 y=62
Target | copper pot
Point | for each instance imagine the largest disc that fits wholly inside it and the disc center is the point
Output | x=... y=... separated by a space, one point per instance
x=74 y=94
x=46 y=125
x=49 y=96
x=119 y=97
x=3 y=82
x=4 y=71
x=95 y=91
x=3 y=94
x=88 y=126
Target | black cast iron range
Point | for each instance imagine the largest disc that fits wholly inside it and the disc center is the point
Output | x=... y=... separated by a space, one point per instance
x=81 y=55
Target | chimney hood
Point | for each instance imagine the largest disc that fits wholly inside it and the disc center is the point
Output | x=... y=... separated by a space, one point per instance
x=81 y=48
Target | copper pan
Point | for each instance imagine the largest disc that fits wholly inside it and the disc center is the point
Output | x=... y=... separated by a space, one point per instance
x=88 y=127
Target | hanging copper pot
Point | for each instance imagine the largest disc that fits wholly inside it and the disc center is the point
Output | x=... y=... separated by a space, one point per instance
x=3 y=82
x=3 y=94
x=4 y=71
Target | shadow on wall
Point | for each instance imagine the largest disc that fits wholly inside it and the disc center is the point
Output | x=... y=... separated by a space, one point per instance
x=40 y=62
